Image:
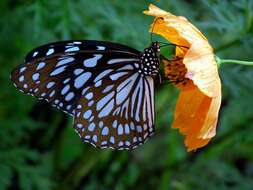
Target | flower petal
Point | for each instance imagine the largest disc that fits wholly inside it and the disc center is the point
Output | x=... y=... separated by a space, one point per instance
x=168 y=22
x=155 y=11
x=208 y=129
x=196 y=117
x=202 y=67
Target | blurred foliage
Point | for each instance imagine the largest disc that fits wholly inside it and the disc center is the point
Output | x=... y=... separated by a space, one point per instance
x=40 y=150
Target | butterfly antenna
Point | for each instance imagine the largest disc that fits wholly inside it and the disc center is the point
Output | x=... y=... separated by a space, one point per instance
x=171 y=44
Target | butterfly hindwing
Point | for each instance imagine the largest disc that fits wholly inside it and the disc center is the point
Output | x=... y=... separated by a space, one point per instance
x=118 y=114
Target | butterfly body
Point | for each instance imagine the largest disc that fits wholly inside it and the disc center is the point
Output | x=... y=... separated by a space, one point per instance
x=149 y=60
x=108 y=88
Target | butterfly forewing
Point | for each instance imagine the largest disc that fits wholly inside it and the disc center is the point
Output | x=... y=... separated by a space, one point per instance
x=59 y=77
x=96 y=82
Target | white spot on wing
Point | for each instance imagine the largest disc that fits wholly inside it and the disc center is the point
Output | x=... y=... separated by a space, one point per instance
x=50 y=51
x=116 y=76
x=85 y=90
x=65 y=89
x=66 y=80
x=100 y=48
x=78 y=71
x=57 y=71
x=87 y=137
x=35 y=76
x=21 y=78
x=87 y=114
x=40 y=65
x=89 y=95
x=92 y=62
x=35 y=53
x=114 y=124
x=139 y=128
x=121 y=143
x=65 y=61
x=82 y=79
x=95 y=138
x=72 y=49
x=119 y=60
x=108 y=88
x=22 y=69
x=50 y=84
x=126 y=67
x=79 y=125
x=112 y=140
x=105 y=131
x=124 y=89
x=91 y=127
x=102 y=74
x=69 y=96
x=120 y=129
x=127 y=131
x=107 y=109
x=103 y=101
x=90 y=103
x=98 y=83
x=77 y=42
x=52 y=93
x=139 y=102
x=101 y=124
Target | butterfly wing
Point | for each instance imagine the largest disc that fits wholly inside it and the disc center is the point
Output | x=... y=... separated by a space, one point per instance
x=76 y=77
x=58 y=72
x=117 y=111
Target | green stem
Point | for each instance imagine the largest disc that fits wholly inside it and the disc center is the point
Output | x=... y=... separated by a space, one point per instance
x=232 y=61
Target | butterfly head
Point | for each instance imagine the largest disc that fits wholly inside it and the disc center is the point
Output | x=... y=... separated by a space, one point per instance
x=156 y=47
x=150 y=60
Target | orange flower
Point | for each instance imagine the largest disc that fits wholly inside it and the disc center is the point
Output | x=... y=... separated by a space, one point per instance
x=195 y=73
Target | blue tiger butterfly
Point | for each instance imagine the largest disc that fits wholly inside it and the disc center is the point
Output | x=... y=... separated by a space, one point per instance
x=107 y=87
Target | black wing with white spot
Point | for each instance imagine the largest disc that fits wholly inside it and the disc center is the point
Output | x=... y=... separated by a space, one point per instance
x=103 y=84
x=57 y=72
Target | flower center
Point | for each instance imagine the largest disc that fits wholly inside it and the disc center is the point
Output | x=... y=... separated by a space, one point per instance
x=176 y=72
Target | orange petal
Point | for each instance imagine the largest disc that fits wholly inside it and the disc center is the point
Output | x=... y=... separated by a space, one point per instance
x=184 y=28
x=202 y=69
x=208 y=129
x=155 y=11
x=192 y=117
x=170 y=33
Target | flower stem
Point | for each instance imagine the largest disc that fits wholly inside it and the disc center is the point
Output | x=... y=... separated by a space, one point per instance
x=232 y=61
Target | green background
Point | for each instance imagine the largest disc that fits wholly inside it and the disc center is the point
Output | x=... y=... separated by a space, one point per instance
x=38 y=146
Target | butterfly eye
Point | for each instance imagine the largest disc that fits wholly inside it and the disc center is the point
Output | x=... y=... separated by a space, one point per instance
x=103 y=85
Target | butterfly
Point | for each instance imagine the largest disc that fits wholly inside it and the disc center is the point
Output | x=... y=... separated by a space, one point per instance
x=107 y=87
